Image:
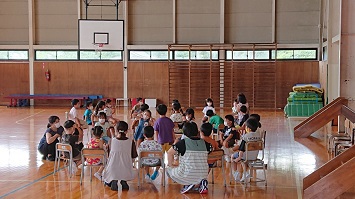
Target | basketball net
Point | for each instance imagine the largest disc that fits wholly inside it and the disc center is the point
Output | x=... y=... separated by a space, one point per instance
x=98 y=48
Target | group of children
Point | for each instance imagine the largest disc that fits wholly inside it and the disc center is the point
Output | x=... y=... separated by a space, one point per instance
x=192 y=147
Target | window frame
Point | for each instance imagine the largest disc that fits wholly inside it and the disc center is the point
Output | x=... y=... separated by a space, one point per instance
x=14 y=50
x=150 y=55
x=271 y=58
x=78 y=58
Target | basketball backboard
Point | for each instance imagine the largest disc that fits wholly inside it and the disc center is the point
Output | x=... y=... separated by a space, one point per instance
x=108 y=33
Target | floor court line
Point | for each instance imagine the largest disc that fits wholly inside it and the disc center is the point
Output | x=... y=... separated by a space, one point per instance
x=18 y=121
x=28 y=184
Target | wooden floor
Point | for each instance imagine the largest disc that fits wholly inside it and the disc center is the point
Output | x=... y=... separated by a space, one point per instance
x=25 y=175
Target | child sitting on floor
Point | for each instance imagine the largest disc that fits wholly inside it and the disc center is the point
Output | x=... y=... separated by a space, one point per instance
x=193 y=166
x=119 y=166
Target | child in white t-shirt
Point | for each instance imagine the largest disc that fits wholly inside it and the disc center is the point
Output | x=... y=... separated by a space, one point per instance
x=251 y=135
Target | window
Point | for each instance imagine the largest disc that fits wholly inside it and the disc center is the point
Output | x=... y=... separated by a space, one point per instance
x=299 y=54
x=282 y=54
x=149 y=55
x=305 y=54
x=248 y=55
x=13 y=55
x=73 y=55
x=196 y=55
x=89 y=55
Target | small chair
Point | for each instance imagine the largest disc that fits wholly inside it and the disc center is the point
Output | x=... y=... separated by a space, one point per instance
x=215 y=156
x=123 y=100
x=151 y=155
x=177 y=130
x=92 y=153
x=215 y=135
x=59 y=149
x=254 y=163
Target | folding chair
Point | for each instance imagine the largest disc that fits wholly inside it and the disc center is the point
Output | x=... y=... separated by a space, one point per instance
x=59 y=149
x=177 y=130
x=215 y=135
x=92 y=153
x=151 y=155
x=214 y=156
x=254 y=163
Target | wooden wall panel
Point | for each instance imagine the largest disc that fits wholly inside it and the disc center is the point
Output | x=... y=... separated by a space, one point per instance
x=14 y=79
x=152 y=80
x=179 y=82
x=288 y=73
x=104 y=78
x=148 y=80
x=243 y=81
x=264 y=85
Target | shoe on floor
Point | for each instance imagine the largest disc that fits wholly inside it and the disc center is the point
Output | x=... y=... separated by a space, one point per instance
x=114 y=186
x=203 y=187
x=51 y=158
x=98 y=176
x=187 y=188
x=154 y=175
x=246 y=178
x=236 y=176
x=124 y=185
x=147 y=177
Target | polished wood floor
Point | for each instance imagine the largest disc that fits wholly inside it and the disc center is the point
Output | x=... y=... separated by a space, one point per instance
x=25 y=175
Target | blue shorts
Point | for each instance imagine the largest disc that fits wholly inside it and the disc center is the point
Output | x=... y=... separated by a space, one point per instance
x=106 y=139
x=138 y=135
x=235 y=155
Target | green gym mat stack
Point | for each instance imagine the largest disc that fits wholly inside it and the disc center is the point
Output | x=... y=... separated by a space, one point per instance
x=303 y=103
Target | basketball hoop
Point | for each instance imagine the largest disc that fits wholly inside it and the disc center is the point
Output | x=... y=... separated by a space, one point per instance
x=98 y=47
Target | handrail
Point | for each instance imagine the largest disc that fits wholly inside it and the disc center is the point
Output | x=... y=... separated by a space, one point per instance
x=338 y=100
x=337 y=174
x=320 y=118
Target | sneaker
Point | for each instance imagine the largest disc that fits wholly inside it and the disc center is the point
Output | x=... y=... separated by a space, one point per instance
x=147 y=177
x=97 y=175
x=203 y=187
x=227 y=158
x=154 y=175
x=236 y=176
x=187 y=188
x=124 y=185
x=114 y=186
x=80 y=166
x=245 y=177
x=107 y=184
x=51 y=158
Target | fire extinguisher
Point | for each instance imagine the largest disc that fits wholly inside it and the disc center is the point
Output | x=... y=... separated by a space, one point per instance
x=47 y=75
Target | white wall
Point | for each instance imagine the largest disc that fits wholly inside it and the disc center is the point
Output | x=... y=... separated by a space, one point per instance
x=248 y=21
x=297 y=21
x=150 y=22
x=56 y=22
x=198 y=21
x=14 y=22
